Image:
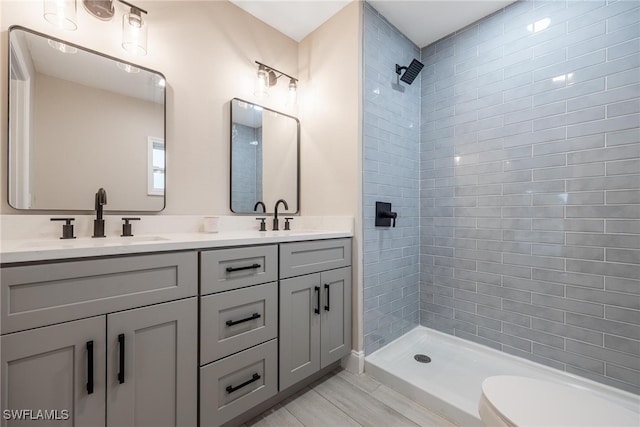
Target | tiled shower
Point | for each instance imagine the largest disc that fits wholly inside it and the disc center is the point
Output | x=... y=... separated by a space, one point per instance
x=527 y=186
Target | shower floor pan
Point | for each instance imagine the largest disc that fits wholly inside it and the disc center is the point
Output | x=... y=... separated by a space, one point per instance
x=450 y=383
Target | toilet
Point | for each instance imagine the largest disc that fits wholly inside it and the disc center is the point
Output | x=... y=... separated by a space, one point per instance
x=520 y=401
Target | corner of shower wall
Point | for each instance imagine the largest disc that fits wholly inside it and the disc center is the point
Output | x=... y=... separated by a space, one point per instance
x=391 y=170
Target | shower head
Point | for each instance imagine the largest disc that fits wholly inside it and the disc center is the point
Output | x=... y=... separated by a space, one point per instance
x=410 y=72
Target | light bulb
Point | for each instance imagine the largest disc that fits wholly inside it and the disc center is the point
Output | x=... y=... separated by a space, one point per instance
x=262 y=82
x=293 y=92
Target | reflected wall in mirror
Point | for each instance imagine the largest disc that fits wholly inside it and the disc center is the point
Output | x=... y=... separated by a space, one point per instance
x=265 y=147
x=78 y=121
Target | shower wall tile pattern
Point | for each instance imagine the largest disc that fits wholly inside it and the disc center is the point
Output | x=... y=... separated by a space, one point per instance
x=391 y=174
x=530 y=186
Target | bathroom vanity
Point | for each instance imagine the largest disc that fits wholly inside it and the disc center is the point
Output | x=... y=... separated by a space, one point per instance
x=181 y=332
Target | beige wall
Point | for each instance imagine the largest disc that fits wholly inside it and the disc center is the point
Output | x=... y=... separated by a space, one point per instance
x=206 y=50
x=330 y=115
x=114 y=157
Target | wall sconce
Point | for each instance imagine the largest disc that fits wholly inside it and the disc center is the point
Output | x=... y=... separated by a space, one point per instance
x=62 y=14
x=268 y=76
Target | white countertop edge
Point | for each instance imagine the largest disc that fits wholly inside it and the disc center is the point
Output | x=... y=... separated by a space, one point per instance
x=18 y=251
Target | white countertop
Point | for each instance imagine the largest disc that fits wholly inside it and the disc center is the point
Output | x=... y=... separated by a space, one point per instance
x=27 y=250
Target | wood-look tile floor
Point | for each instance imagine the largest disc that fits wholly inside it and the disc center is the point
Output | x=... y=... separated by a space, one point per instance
x=344 y=399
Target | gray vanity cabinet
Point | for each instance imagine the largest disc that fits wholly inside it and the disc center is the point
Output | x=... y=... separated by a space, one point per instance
x=315 y=322
x=315 y=307
x=49 y=368
x=112 y=340
x=154 y=383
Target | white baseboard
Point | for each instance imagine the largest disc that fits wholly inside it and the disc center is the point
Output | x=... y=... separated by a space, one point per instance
x=353 y=362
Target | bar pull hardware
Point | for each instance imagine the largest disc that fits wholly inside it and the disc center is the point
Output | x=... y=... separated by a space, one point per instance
x=121 y=372
x=254 y=378
x=246 y=319
x=327 y=288
x=247 y=267
x=317 y=290
x=90 y=367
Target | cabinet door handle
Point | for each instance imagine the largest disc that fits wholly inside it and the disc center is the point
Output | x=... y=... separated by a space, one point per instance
x=90 y=367
x=246 y=267
x=317 y=309
x=246 y=319
x=121 y=345
x=327 y=288
x=254 y=378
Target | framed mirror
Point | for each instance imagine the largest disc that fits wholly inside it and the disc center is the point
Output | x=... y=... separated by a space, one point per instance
x=79 y=121
x=265 y=159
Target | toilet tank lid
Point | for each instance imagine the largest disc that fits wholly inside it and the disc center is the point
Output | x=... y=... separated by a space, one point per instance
x=531 y=402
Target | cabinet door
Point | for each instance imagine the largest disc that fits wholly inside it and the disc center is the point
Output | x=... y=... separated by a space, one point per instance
x=336 y=315
x=51 y=368
x=152 y=365
x=299 y=328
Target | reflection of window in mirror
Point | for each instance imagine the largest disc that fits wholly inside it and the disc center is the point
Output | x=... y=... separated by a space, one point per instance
x=155 y=166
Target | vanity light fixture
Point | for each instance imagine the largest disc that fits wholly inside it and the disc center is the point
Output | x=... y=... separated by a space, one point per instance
x=61 y=47
x=268 y=76
x=134 y=31
x=61 y=13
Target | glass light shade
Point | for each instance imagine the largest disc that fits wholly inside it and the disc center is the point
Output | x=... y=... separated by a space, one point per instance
x=61 y=47
x=293 y=92
x=262 y=82
x=134 y=33
x=61 y=13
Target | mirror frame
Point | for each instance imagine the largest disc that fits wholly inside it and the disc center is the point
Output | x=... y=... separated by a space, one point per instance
x=267 y=213
x=113 y=58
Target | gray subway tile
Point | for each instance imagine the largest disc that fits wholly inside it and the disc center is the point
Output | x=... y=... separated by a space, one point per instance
x=623 y=108
x=603 y=183
x=533 y=310
x=575 y=171
x=592 y=225
x=596 y=254
x=623 y=226
x=534 y=335
x=630 y=271
x=623 y=167
x=506 y=339
x=567 y=331
x=601 y=353
x=631 y=376
x=533 y=236
x=571 y=117
x=623 y=78
x=575 y=144
x=623 y=196
x=569 y=278
x=623 y=255
x=568 y=305
x=506 y=270
x=582 y=198
x=622 y=315
x=598 y=126
x=554 y=186
x=608 y=297
x=622 y=344
x=570 y=66
x=604 y=325
x=587 y=363
x=534 y=261
x=603 y=240
x=604 y=154
x=534 y=285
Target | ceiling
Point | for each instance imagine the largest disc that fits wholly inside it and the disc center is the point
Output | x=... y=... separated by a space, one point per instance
x=422 y=21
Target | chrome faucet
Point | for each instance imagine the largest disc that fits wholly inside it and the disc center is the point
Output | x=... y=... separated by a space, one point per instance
x=259 y=203
x=98 y=223
x=275 y=214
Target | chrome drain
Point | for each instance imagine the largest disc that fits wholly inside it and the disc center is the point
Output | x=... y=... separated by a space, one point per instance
x=422 y=358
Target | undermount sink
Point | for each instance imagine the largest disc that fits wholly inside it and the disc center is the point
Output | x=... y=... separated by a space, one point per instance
x=89 y=242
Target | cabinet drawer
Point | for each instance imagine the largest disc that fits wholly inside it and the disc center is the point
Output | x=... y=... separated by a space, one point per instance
x=226 y=269
x=234 y=320
x=39 y=295
x=301 y=258
x=235 y=384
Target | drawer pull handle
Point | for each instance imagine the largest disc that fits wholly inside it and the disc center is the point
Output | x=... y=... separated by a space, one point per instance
x=90 y=367
x=254 y=378
x=327 y=288
x=121 y=372
x=317 y=290
x=246 y=267
x=246 y=319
